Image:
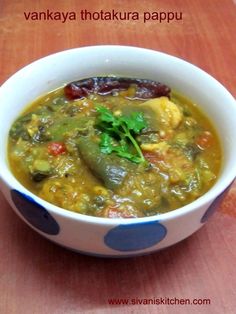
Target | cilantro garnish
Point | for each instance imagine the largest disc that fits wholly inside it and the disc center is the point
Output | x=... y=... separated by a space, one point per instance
x=118 y=133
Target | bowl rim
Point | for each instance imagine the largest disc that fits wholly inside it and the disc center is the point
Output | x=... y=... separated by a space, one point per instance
x=206 y=199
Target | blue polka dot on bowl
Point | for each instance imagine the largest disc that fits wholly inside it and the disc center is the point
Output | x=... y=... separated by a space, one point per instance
x=134 y=237
x=35 y=214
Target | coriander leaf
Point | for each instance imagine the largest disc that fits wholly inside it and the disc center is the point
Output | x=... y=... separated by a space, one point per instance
x=135 y=122
x=106 y=144
x=105 y=114
x=129 y=156
x=116 y=133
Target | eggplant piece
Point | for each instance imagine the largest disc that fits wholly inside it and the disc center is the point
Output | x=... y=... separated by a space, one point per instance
x=41 y=169
x=167 y=113
x=38 y=176
x=70 y=125
x=110 y=169
x=149 y=116
x=145 y=89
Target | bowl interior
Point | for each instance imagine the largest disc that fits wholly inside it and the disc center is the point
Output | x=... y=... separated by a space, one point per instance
x=53 y=71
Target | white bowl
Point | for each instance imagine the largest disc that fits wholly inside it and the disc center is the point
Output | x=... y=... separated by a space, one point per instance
x=106 y=236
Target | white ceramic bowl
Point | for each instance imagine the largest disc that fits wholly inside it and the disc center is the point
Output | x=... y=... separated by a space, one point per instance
x=104 y=236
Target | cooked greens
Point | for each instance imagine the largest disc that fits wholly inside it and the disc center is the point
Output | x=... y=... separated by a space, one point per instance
x=115 y=147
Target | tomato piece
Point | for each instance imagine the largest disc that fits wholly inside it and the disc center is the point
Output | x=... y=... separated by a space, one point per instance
x=152 y=157
x=204 y=140
x=113 y=212
x=56 y=148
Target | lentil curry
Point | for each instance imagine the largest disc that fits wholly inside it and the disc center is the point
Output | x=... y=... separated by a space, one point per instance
x=115 y=147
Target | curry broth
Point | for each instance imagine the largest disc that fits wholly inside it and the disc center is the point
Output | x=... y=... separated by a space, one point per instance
x=183 y=158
